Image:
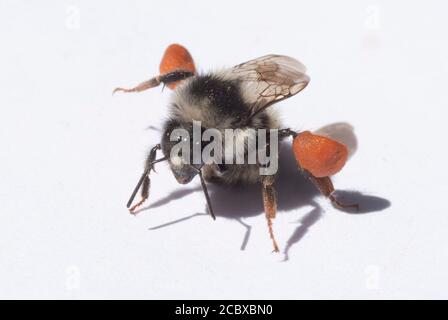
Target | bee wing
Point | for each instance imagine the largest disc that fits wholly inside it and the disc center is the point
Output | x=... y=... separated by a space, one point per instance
x=270 y=79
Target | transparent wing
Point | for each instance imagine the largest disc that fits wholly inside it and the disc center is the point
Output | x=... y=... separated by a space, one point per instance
x=270 y=79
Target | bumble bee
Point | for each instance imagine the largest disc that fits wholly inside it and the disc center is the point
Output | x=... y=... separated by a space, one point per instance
x=238 y=98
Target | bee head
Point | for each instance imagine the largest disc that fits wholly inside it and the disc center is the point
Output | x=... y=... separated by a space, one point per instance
x=178 y=148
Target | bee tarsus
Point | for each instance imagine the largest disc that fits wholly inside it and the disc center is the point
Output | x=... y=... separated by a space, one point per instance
x=326 y=188
x=144 y=181
x=166 y=79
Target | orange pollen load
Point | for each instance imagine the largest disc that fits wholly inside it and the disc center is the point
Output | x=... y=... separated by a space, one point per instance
x=321 y=156
x=176 y=57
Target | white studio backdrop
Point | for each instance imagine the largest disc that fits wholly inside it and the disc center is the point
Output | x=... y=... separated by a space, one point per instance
x=71 y=153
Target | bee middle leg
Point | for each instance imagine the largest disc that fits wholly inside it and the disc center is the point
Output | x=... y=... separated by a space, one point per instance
x=270 y=205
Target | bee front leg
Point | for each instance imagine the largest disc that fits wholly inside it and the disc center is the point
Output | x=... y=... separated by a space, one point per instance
x=144 y=195
x=144 y=181
x=326 y=188
x=270 y=204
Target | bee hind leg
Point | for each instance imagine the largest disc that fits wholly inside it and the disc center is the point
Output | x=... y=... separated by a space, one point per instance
x=326 y=188
x=151 y=83
x=270 y=205
x=168 y=78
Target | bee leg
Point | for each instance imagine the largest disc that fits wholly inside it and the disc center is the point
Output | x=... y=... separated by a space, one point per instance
x=270 y=205
x=205 y=190
x=144 y=194
x=326 y=188
x=166 y=79
x=144 y=181
x=151 y=83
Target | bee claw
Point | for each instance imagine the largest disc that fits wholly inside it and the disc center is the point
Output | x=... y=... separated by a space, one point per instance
x=133 y=209
x=151 y=83
x=340 y=205
x=121 y=89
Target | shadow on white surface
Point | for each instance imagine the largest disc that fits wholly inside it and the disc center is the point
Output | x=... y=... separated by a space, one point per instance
x=294 y=191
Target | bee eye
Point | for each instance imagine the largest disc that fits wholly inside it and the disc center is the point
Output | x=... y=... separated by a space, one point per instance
x=179 y=139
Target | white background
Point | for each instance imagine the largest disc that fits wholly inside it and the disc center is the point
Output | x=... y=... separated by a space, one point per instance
x=71 y=153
